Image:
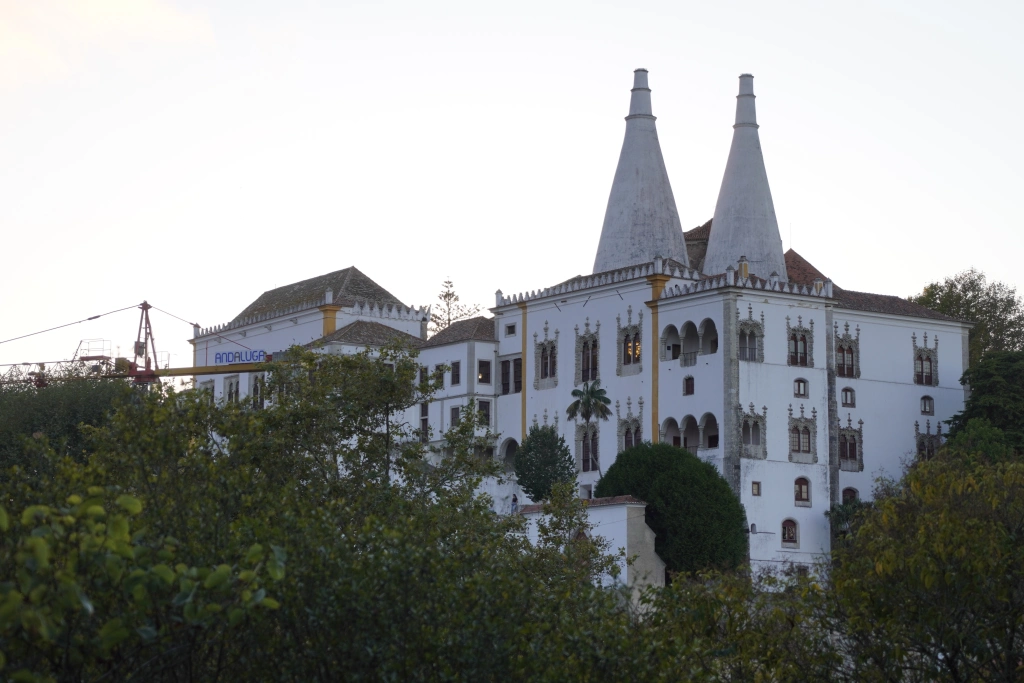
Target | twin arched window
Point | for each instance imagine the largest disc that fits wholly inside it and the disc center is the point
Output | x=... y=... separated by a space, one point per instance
x=844 y=360
x=588 y=360
x=800 y=440
x=751 y=433
x=632 y=437
x=748 y=346
x=630 y=348
x=847 y=448
x=548 y=358
x=923 y=370
x=798 y=349
x=590 y=463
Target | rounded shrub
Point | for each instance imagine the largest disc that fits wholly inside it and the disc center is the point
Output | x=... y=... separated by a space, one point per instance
x=699 y=522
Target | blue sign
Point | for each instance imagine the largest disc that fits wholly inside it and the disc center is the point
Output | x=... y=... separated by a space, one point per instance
x=257 y=356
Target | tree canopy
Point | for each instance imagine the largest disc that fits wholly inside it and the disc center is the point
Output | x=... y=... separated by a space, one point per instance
x=995 y=308
x=699 y=522
x=450 y=310
x=542 y=461
x=997 y=396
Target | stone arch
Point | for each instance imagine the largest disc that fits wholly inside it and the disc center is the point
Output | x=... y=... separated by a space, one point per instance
x=690 y=431
x=708 y=333
x=671 y=345
x=508 y=454
x=691 y=343
x=670 y=432
x=709 y=436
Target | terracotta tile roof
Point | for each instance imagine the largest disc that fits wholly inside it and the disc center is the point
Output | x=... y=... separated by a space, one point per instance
x=348 y=286
x=368 y=333
x=478 y=328
x=801 y=271
x=591 y=503
x=701 y=232
x=697 y=244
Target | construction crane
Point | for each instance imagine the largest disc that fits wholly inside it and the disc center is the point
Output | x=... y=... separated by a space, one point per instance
x=141 y=370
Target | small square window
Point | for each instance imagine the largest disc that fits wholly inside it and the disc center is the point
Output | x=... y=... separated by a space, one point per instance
x=800 y=388
x=755 y=488
x=510 y=330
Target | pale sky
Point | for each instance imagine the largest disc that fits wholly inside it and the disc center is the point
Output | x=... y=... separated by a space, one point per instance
x=195 y=154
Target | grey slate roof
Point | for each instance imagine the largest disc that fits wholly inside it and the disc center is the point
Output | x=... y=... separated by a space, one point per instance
x=478 y=329
x=369 y=333
x=348 y=286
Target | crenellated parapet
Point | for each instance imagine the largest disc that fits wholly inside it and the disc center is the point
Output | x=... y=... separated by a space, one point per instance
x=583 y=282
x=820 y=288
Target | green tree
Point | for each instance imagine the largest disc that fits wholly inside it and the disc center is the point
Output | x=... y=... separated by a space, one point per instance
x=591 y=402
x=997 y=396
x=995 y=308
x=450 y=310
x=698 y=520
x=542 y=461
x=930 y=586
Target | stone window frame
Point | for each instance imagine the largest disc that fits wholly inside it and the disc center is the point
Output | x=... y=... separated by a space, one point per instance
x=801 y=423
x=621 y=369
x=751 y=327
x=581 y=339
x=595 y=434
x=258 y=389
x=857 y=435
x=539 y=345
x=929 y=408
x=804 y=502
x=511 y=330
x=847 y=340
x=630 y=421
x=795 y=542
x=758 y=451
x=800 y=330
x=929 y=353
x=927 y=444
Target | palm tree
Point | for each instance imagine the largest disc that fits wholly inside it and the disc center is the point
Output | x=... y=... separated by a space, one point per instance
x=590 y=402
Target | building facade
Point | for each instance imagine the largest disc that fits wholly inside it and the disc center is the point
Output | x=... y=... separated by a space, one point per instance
x=800 y=392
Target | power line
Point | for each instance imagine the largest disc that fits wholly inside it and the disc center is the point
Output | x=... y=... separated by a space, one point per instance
x=230 y=341
x=68 y=324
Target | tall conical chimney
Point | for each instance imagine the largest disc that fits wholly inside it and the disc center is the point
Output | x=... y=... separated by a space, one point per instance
x=744 y=222
x=641 y=220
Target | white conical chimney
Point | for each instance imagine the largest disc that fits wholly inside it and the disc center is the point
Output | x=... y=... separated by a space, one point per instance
x=744 y=222
x=641 y=220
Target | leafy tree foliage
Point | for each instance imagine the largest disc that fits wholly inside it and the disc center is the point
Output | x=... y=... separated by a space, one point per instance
x=997 y=396
x=698 y=520
x=450 y=310
x=542 y=461
x=995 y=308
x=55 y=412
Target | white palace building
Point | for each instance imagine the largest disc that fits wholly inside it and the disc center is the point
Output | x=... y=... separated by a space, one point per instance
x=799 y=391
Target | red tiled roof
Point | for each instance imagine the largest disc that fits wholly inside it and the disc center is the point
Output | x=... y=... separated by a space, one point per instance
x=701 y=232
x=590 y=503
x=800 y=269
x=478 y=329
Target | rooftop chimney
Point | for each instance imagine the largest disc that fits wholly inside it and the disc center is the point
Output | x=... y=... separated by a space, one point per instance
x=641 y=220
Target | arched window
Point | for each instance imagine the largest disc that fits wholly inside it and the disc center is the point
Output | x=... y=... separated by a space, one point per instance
x=593 y=359
x=743 y=346
x=257 y=393
x=746 y=432
x=801 y=350
x=849 y=361
x=919 y=369
x=850 y=496
x=585 y=361
x=544 y=363
x=792 y=350
x=927 y=405
x=928 y=371
x=847 y=448
x=636 y=348
x=789 y=532
x=800 y=388
x=589 y=447
x=849 y=398
x=794 y=440
x=844 y=361
x=805 y=440
x=802 y=490
x=755 y=434
x=628 y=440
x=753 y=528
x=627 y=350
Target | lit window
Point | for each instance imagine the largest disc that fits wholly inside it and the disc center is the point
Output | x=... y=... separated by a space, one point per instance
x=484 y=371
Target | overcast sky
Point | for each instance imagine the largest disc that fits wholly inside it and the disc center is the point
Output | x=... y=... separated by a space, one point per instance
x=195 y=154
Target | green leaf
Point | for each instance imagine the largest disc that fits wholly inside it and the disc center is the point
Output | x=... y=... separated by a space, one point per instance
x=218 y=577
x=5 y=522
x=132 y=505
x=255 y=554
x=164 y=572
